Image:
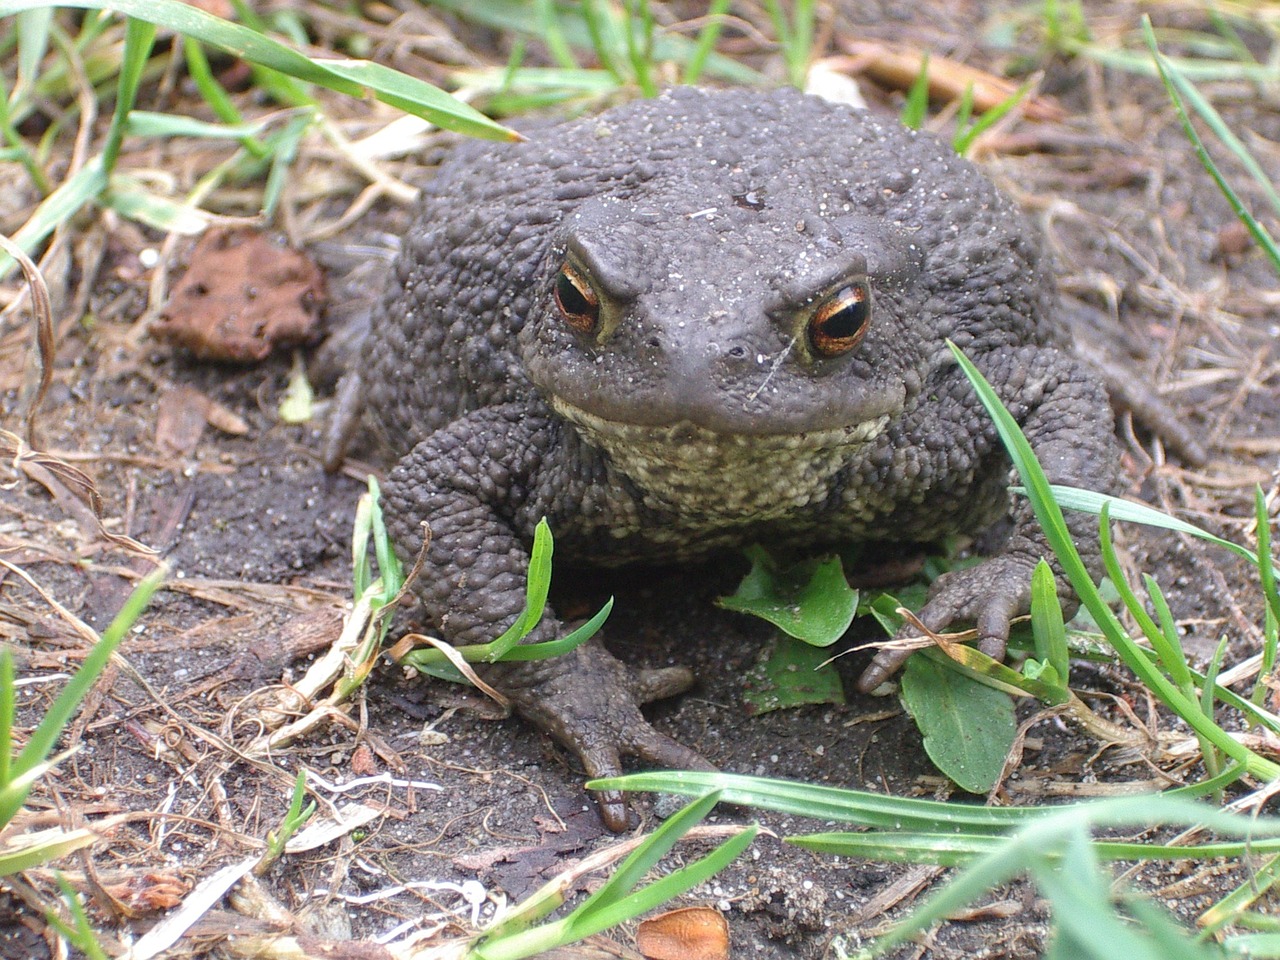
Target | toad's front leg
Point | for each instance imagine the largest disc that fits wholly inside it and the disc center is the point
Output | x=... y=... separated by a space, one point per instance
x=1066 y=417
x=481 y=484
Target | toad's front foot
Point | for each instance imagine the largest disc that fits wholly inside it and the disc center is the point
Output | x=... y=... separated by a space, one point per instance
x=590 y=702
x=990 y=594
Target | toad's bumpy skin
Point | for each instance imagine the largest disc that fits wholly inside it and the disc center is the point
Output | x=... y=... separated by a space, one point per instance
x=699 y=322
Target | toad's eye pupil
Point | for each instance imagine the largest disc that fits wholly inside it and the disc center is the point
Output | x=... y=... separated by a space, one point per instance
x=840 y=323
x=578 y=302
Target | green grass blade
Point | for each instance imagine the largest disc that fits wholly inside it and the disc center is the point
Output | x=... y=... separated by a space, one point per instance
x=1165 y=655
x=282 y=147
x=211 y=91
x=613 y=903
x=81 y=934
x=1266 y=565
x=1058 y=537
x=706 y=41
x=144 y=123
x=1074 y=498
x=964 y=140
x=1047 y=626
x=942 y=850
x=829 y=803
x=537 y=584
x=632 y=870
x=17 y=149
x=139 y=37
x=1253 y=712
x=1224 y=133
x=61 y=205
x=519 y=16
x=389 y=567
x=1078 y=890
x=46 y=734
x=1261 y=879
x=552 y=34
x=417 y=97
x=23 y=851
x=33 y=43
x=639 y=18
x=991 y=870
x=655 y=894
x=1175 y=660
x=558 y=648
x=951 y=850
x=8 y=705
x=361 y=529
x=916 y=106
x=1167 y=72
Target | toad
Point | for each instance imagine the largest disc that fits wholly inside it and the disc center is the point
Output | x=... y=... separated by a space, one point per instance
x=698 y=322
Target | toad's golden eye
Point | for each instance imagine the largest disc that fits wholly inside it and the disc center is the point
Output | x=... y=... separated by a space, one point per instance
x=841 y=321
x=578 y=303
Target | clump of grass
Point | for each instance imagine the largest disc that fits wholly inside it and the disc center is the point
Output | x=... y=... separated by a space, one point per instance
x=281 y=68
x=629 y=49
x=1054 y=846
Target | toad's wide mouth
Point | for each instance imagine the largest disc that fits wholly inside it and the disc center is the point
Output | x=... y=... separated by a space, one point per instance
x=732 y=478
x=691 y=438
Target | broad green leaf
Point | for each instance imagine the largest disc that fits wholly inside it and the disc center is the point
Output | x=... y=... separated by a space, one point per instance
x=792 y=674
x=968 y=727
x=810 y=601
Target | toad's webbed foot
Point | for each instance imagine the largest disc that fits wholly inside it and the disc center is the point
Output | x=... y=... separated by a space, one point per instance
x=590 y=702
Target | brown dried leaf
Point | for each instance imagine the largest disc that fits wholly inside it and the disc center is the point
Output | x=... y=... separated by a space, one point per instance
x=362 y=762
x=55 y=473
x=148 y=892
x=692 y=933
x=242 y=297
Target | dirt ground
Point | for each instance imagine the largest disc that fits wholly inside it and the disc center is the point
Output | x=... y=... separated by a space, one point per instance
x=1151 y=267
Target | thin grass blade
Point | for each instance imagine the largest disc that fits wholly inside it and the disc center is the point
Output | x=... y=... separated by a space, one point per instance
x=51 y=727
x=830 y=803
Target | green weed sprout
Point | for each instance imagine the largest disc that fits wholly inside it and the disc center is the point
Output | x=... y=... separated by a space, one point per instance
x=436 y=662
x=294 y=819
